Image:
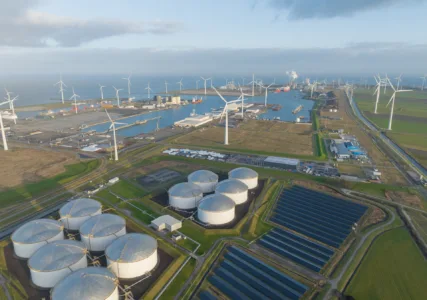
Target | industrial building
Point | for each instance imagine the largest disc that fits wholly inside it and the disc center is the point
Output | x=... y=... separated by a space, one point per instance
x=33 y=235
x=194 y=121
x=345 y=149
x=205 y=179
x=76 y=212
x=87 y=283
x=99 y=231
x=166 y=222
x=281 y=163
x=56 y=260
x=216 y=209
x=234 y=189
x=245 y=175
x=132 y=255
x=185 y=195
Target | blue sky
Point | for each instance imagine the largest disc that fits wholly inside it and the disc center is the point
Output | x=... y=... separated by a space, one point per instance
x=288 y=31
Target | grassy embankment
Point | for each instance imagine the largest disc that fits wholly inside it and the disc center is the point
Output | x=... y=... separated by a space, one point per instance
x=319 y=145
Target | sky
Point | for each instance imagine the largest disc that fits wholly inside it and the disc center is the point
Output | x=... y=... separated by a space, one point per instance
x=213 y=36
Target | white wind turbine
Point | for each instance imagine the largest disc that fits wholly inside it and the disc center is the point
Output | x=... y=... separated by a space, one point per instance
x=392 y=99
x=148 y=90
x=11 y=104
x=74 y=97
x=102 y=93
x=253 y=82
x=129 y=84
x=226 y=114
x=399 y=80
x=3 y=133
x=113 y=126
x=266 y=92
x=166 y=85
x=242 y=96
x=197 y=84
x=379 y=82
x=117 y=95
x=205 y=80
x=61 y=87
x=180 y=85
x=424 y=82
x=243 y=78
x=386 y=80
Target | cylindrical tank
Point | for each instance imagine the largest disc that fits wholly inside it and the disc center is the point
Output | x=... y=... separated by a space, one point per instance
x=132 y=255
x=205 y=179
x=245 y=175
x=216 y=209
x=234 y=189
x=88 y=283
x=99 y=231
x=185 y=195
x=76 y=212
x=54 y=261
x=33 y=235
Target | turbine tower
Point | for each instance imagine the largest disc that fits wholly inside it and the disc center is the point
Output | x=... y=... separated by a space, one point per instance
x=113 y=126
x=61 y=87
x=180 y=85
x=3 y=133
x=117 y=95
x=166 y=85
x=266 y=92
x=392 y=99
x=205 y=80
x=253 y=84
x=11 y=104
x=379 y=82
x=148 y=90
x=102 y=93
x=197 y=84
x=242 y=96
x=129 y=84
x=424 y=82
x=399 y=79
x=74 y=97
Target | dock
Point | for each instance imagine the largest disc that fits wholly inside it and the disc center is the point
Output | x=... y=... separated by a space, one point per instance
x=136 y=123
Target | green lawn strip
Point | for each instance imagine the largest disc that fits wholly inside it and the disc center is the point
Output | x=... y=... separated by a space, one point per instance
x=180 y=280
x=187 y=244
x=127 y=190
x=31 y=190
x=394 y=268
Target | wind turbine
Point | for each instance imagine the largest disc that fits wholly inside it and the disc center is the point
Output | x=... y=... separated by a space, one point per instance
x=226 y=114
x=11 y=104
x=74 y=97
x=148 y=89
x=197 y=84
x=424 y=82
x=392 y=99
x=378 y=91
x=253 y=84
x=242 y=95
x=180 y=85
x=166 y=85
x=61 y=87
x=129 y=84
x=117 y=95
x=113 y=126
x=266 y=92
x=3 y=133
x=243 y=78
x=102 y=93
x=399 y=79
x=205 y=80
x=386 y=83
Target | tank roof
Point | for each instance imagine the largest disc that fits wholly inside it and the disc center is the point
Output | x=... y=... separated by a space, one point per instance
x=102 y=225
x=86 y=283
x=242 y=173
x=231 y=186
x=36 y=231
x=203 y=176
x=216 y=203
x=80 y=208
x=185 y=189
x=131 y=247
x=57 y=255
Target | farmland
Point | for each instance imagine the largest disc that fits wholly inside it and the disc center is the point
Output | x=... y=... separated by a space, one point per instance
x=386 y=274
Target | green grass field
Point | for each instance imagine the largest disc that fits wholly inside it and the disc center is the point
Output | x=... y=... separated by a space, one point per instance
x=393 y=268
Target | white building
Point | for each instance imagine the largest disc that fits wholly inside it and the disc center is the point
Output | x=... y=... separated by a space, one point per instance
x=166 y=222
x=194 y=121
x=113 y=180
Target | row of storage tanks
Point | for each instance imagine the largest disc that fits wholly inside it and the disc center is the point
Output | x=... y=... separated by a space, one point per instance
x=217 y=208
x=63 y=264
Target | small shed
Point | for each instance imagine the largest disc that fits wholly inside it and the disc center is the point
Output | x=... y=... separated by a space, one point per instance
x=166 y=222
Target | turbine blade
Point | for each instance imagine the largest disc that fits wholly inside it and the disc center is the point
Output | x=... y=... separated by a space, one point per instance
x=108 y=115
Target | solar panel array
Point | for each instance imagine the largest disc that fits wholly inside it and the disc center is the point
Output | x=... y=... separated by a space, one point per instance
x=206 y=295
x=297 y=248
x=242 y=276
x=322 y=217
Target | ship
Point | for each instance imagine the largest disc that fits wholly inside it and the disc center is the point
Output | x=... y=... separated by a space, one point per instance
x=298 y=109
x=286 y=89
x=196 y=101
x=276 y=107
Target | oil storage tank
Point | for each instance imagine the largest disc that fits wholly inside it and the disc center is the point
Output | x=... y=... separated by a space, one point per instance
x=234 y=189
x=185 y=195
x=205 y=179
x=76 y=212
x=245 y=175
x=33 y=235
x=54 y=261
x=216 y=209
x=87 y=283
x=132 y=255
x=99 y=231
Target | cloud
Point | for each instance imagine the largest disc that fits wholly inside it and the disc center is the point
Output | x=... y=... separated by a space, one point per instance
x=21 y=25
x=324 y=9
x=362 y=58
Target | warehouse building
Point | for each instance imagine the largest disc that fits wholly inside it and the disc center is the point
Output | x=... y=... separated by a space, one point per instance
x=166 y=222
x=281 y=163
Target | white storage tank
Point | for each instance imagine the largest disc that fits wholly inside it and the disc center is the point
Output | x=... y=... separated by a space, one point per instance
x=132 y=255
x=33 y=235
x=245 y=175
x=88 y=283
x=185 y=195
x=54 y=261
x=234 y=189
x=99 y=231
x=205 y=179
x=216 y=209
x=76 y=212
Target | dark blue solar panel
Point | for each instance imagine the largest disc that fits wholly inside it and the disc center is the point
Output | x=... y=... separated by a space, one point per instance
x=227 y=289
x=205 y=295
